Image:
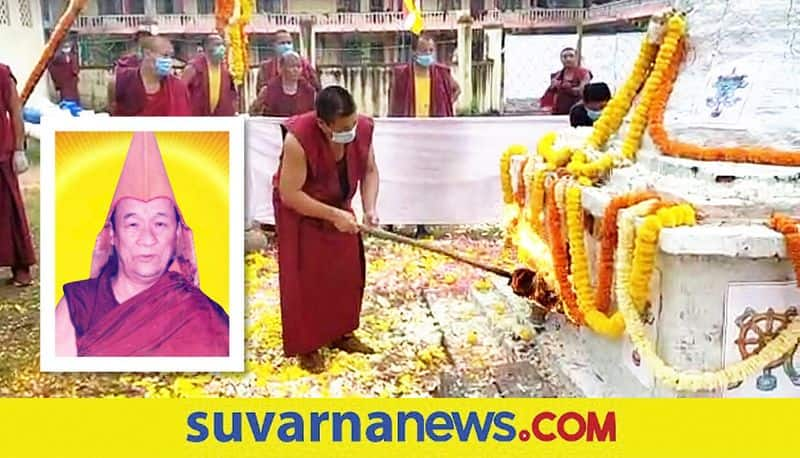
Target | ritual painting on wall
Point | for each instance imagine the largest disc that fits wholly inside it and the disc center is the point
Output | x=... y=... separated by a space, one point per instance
x=142 y=252
x=727 y=92
x=754 y=314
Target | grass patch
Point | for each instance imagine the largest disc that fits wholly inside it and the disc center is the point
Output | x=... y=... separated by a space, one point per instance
x=33 y=153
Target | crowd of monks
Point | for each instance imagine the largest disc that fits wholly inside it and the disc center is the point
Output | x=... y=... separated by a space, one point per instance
x=327 y=156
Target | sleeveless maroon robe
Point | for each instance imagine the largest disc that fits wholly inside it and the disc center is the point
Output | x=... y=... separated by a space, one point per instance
x=132 y=99
x=274 y=102
x=198 y=90
x=270 y=69
x=322 y=271
x=402 y=102
x=16 y=241
x=65 y=76
x=171 y=318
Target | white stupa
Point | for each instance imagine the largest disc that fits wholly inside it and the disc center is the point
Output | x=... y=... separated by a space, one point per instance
x=722 y=288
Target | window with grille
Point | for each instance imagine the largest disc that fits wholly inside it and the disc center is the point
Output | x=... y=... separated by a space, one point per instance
x=348 y=6
x=166 y=7
x=5 y=17
x=109 y=7
x=135 y=7
x=269 y=6
x=205 y=6
x=25 y=16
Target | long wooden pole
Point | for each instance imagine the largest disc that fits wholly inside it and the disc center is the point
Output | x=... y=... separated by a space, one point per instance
x=59 y=32
x=380 y=233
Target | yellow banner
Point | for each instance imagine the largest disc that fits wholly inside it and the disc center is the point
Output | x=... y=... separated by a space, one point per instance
x=397 y=428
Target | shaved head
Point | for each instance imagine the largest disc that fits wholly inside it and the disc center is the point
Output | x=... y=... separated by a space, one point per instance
x=157 y=45
x=282 y=36
x=212 y=41
x=425 y=44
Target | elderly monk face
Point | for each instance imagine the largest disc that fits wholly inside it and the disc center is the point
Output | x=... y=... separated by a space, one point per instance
x=290 y=66
x=144 y=237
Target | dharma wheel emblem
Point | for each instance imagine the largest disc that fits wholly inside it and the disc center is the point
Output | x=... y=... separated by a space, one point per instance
x=756 y=330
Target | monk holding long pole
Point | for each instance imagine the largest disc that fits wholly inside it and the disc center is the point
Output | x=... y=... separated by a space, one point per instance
x=327 y=155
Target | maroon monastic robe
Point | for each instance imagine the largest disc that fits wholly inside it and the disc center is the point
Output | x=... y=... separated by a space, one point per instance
x=322 y=270
x=65 y=76
x=402 y=101
x=274 y=102
x=16 y=242
x=132 y=99
x=562 y=99
x=198 y=90
x=270 y=69
x=130 y=60
x=171 y=318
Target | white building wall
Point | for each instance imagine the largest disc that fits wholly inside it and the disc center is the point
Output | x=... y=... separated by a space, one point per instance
x=22 y=39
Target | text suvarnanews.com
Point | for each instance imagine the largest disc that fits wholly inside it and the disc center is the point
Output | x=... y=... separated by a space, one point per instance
x=404 y=426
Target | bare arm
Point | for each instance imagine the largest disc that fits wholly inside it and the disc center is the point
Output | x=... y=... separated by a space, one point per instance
x=65 y=331
x=112 y=94
x=456 y=88
x=293 y=177
x=370 y=185
x=15 y=110
x=261 y=80
x=584 y=81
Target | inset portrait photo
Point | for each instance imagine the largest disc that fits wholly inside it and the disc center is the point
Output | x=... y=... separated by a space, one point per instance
x=142 y=247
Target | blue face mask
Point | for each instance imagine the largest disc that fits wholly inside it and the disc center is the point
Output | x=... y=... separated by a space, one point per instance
x=344 y=137
x=425 y=60
x=163 y=66
x=593 y=114
x=219 y=52
x=283 y=48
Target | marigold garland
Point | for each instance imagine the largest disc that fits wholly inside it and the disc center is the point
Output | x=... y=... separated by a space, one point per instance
x=614 y=325
x=790 y=228
x=536 y=200
x=669 y=147
x=505 y=170
x=558 y=251
x=644 y=254
x=685 y=381
x=521 y=185
x=608 y=244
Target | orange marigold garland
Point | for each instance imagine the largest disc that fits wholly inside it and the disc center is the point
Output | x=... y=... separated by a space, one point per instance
x=790 y=228
x=521 y=191
x=558 y=251
x=608 y=244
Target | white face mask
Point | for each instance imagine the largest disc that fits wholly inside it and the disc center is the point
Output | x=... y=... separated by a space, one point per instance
x=344 y=137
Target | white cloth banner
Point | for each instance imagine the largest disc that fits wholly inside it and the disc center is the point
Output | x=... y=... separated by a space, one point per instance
x=433 y=171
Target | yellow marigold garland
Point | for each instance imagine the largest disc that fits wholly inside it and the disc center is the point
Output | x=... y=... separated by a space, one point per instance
x=644 y=254
x=616 y=109
x=691 y=381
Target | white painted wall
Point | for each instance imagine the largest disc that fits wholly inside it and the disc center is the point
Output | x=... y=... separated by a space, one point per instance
x=22 y=44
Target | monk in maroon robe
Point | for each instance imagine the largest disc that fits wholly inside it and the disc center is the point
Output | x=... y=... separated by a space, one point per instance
x=422 y=89
x=566 y=85
x=270 y=68
x=437 y=88
x=151 y=89
x=210 y=82
x=134 y=58
x=285 y=95
x=327 y=154
x=143 y=296
x=64 y=72
x=16 y=243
